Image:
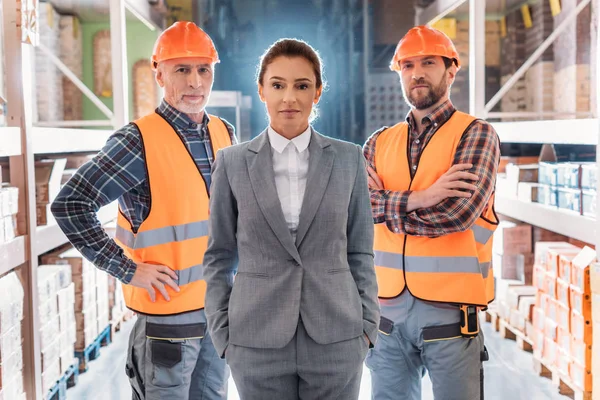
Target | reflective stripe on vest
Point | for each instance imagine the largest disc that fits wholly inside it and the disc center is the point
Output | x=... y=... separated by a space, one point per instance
x=162 y=235
x=175 y=231
x=453 y=268
x=469 y=265
x=482 y=235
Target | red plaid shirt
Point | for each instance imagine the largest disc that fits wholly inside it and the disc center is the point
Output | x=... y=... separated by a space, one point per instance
x=479 y=146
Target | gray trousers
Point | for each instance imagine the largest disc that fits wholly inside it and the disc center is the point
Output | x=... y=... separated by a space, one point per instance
x=399 y=361
x=303 y=369
x=182 y=369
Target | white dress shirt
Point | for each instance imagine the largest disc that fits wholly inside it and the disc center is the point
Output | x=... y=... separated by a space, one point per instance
x=290 y=165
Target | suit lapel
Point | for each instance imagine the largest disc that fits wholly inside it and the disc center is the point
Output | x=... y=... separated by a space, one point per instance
x=319 y=170
x=260 y=168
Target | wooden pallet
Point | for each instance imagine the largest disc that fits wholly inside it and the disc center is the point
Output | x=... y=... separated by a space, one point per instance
x=115 y=326
x=117 y=322
x=93 y=350
x=509 y=332
x=68 y=380
x=559 y=380
x=492 y=317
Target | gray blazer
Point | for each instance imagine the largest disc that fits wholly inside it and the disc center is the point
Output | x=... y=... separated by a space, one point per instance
x=327 y=277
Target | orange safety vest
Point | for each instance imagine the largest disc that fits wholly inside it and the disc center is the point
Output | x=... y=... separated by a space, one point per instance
x=454 y=268
x=175 y=232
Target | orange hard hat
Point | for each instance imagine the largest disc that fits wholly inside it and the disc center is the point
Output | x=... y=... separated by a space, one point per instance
x=183 y=39
x=424 y=41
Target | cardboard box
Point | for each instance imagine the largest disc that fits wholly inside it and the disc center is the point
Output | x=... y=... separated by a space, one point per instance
x=563 y=338
x=551 y=310
x=550 y=351
x=48 y=177
x=541 y=250
x=581 y=353
x=564 y=266
x=580 y=270
x=517 y=320
x=581 y=328
x=539 y=278
x=581 y=376
x=544 y=235
x=510 y=238
x=516 y=293
x=522 y=173
x=539 y=340
x=554 y=255
x=528 y=191
x=514 y=266
x=563 y=316
x=563 y=361
x=44 y=215
x=550 y=329
x=526 y=305
x=505 y=160
x=580 y=302
x=563 y=292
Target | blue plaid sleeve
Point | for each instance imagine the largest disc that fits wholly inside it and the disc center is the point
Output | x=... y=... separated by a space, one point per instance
x=117 y=169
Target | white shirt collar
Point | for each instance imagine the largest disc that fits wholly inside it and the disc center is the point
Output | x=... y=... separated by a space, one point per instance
x=279 y=143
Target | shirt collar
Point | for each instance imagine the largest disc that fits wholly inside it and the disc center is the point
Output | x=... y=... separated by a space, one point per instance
x=438 y=116
x=279 y=143
x=181 y=120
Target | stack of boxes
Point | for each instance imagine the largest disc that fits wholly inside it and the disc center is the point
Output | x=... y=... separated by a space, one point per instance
x=116 y=301
x=48 y=178
x=71 y=54
x=565 y=185
x=11 y=349
x=572 y=61
x=9 y=206
x=512 y=252
x=512 y=261
x=57 y=321
x=91 y=297
x=514 y=55
x=49 y=89
x=570 y=186
x=562 y=330
x=540 y=77
x=102 y=300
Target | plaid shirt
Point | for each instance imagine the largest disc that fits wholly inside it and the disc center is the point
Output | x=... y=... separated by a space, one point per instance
x=118 y=172
x=479 y=146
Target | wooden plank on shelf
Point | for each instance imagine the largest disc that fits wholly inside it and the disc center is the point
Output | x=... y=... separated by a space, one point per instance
x=12 y=254
x=10 y=141
x=51 y=236
x=67 y=140
x=553 y=219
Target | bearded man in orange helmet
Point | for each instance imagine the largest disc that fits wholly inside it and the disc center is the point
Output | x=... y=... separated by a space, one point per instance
x=431 y=181
x=158 y=168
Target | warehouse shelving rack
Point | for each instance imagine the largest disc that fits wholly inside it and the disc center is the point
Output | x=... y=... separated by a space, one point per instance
x=560 y=131
x=20 y=141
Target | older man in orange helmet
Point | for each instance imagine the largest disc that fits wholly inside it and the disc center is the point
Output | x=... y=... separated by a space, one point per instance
x=158 y=168
x=431 y=181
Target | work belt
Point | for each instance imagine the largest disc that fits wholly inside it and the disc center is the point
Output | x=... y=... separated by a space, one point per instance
x=431 y=333
x=175 y=332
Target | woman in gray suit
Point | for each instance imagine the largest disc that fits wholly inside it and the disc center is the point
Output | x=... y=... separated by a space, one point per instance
x=291 y=210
